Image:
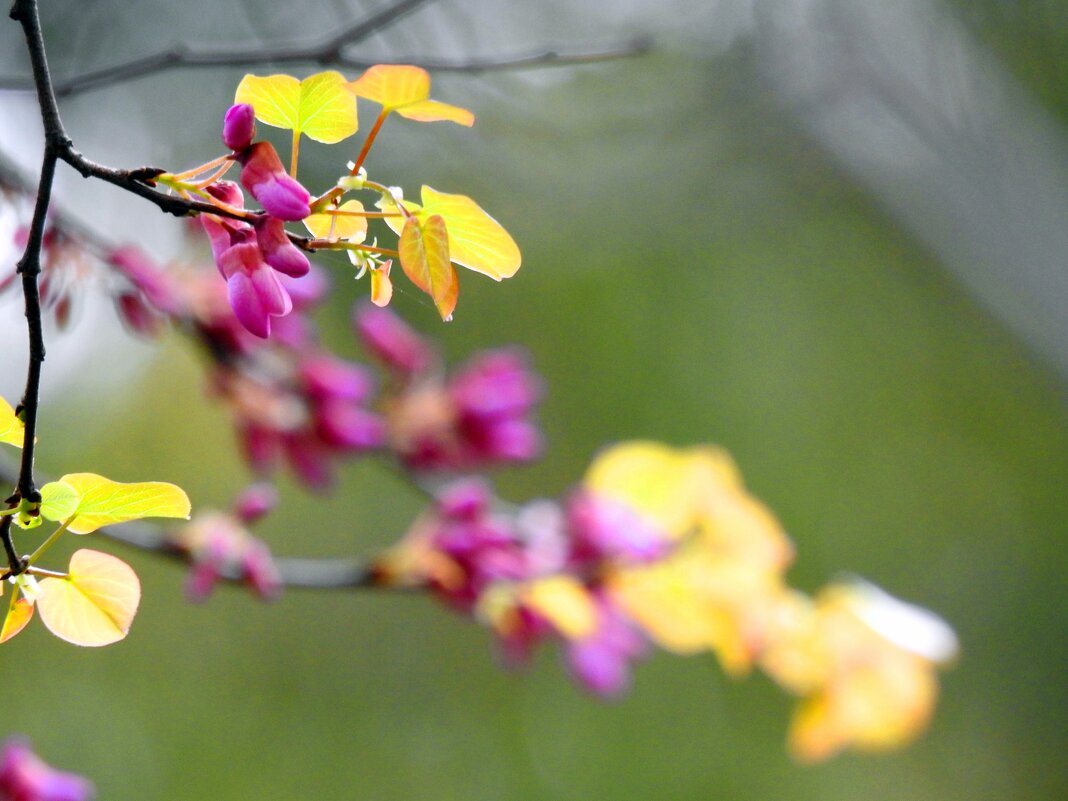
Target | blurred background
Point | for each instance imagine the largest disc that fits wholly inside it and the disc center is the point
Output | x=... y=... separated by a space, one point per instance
x=827 y=234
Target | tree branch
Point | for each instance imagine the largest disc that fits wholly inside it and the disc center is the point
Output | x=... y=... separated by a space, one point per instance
x=327 y=51
x=296 y=572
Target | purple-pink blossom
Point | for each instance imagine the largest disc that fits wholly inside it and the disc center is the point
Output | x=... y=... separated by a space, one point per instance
x=24 y=776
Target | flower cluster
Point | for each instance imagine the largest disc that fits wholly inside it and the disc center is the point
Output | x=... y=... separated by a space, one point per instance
x=475 y=417
x=24 y=776
x=252 y=256
x=667 y=548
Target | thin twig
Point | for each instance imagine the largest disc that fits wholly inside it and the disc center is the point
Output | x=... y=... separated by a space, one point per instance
x=328 y=51
x=296 y=572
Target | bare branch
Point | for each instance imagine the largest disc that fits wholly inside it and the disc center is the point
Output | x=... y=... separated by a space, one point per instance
x=327 y=51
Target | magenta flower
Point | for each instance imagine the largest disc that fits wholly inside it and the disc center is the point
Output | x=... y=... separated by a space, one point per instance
x=220 y=547
x=277 y=250
x=253 y=289
x=25 y=777
x=263 y=175
x=239 y=127
x=602 y=529
x=601 y=661
x=391 y=340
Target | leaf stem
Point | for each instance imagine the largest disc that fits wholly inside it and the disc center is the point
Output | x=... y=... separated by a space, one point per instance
x=294 y=154
x=44 y=546
x=369 y=141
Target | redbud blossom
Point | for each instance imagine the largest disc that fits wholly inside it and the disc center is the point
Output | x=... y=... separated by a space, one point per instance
x=601 y=661
x=221 y=547
x=239 y=127
x=253 y=289
x=263 y=175
x=25 y=777
x=277 y=250
x=391 y=340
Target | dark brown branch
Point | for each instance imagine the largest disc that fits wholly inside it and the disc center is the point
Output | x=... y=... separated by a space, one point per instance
x=29 y=266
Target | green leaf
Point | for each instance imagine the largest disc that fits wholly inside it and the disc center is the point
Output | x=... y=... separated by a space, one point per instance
x=59 y=500
x=103 y=502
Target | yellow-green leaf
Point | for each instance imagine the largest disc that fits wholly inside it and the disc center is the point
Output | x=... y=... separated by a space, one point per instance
x=476 y=240
x=12 y=430
x=103 y=502
x=436 y=111
x=406 y=89
x=95 y=604
x=320 y=107
x=339 y=226
x=424 y=256
x=18 y=615
x=59 y=500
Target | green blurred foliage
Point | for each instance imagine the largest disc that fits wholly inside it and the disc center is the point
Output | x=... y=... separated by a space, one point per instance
x=695 y=270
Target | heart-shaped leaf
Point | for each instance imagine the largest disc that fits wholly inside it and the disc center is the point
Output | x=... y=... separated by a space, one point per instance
x=102 y=502
x=321 y=107
x=476 y=240
x=405 y=89
x=95 y=604
x=424 y=256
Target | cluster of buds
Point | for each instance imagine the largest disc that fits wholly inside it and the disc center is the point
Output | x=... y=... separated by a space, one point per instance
x=666 y=548
x=24 y=776
x=251 y=256
x=220 y=546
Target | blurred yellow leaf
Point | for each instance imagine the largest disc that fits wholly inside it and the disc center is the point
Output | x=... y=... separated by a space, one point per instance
x=95 y=604
x=103 y=502
x=564 y=602
x=12 y=431
x=320 y=106
x=339 y=226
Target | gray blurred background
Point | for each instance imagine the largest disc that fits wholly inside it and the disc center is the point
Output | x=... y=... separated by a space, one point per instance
x=826 y=234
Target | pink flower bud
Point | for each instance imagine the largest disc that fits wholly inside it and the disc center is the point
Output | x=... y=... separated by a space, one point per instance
x=277 y=250
x=391 y=340
x=239 y=126
x=263 y=175
x=255 y=501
